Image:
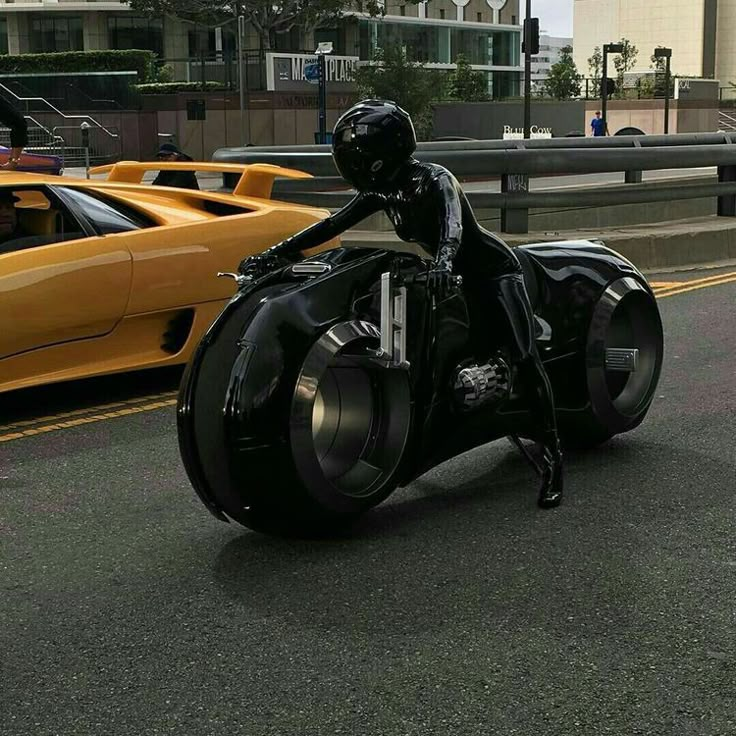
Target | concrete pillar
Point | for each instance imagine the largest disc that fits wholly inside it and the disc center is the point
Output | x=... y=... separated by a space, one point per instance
x=19 y=33
x=176 y=47
x=176 y=39
x=95 y=31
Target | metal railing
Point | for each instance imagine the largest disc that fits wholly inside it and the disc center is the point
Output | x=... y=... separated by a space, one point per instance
x=727 y=121
x=51 y=108
x=40 y=138
x=515 y=162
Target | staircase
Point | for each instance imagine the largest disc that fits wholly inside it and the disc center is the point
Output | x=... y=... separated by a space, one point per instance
x=61 y=135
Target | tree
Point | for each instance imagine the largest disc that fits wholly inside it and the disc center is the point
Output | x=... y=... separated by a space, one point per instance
x=466 y=83
x=391 y=76
x=624 y=62
x=595 y=67
x=659 y=65
x=268 y=17
x=563 y=82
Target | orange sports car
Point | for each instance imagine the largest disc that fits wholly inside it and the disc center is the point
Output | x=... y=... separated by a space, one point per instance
x=109 y=275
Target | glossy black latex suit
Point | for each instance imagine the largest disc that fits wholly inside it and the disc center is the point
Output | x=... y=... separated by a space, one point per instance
x=426 y=205
x=14 y=120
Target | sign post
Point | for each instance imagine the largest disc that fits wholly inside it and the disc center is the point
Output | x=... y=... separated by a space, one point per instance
x=241 y=76
x=322 y=50
x=85 y=144
x=666 y=54
x=608 y=48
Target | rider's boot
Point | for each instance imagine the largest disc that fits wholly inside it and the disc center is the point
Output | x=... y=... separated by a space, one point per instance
x=550 y=492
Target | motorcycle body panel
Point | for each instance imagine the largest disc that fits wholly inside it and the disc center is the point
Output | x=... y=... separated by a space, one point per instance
x=252 y=358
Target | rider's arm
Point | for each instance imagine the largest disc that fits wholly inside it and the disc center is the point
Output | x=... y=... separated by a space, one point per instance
x=360 y=207
x=450 y=212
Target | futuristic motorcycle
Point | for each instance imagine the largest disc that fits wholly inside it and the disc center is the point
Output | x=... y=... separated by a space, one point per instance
x=326 y=384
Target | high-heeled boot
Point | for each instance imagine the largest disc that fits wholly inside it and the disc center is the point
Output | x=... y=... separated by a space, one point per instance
x=550 y=492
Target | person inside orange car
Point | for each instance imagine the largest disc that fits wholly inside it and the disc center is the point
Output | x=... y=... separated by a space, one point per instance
x=9 y=227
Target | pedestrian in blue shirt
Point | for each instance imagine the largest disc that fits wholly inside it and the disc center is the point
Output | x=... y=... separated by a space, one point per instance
x=598 y=125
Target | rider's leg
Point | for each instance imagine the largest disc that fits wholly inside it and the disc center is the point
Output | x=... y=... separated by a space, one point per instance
x=512 y=301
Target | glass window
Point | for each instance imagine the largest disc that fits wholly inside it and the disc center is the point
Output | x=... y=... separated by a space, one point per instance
x=3 y=36
x=494 y=48
x=290 y=41
x=130 y=32
x=441 y=44
x=107 y=216
x=423 y=43
x=202 y=42
x=49 y=34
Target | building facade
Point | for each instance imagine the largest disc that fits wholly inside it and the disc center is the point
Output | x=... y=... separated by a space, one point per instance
x=699 y=32
x=487 y=32
x=550 y=49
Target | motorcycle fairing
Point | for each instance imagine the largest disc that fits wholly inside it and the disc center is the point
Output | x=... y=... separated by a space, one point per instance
x=268 y=328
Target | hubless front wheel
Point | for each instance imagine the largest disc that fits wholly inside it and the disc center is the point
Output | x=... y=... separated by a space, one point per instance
x=350 y=420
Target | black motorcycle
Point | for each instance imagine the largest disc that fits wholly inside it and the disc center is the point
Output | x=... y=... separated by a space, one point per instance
x=326 y=384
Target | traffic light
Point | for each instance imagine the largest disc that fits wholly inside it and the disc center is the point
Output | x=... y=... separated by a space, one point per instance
x=532 y=33
x=608 y=87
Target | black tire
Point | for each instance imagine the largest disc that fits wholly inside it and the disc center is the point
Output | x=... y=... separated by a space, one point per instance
x=626 y=316
x=300 y=487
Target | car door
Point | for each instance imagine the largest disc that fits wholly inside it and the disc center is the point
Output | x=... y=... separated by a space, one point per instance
x=54 y=292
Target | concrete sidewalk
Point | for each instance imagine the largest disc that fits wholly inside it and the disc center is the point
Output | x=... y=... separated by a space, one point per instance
x=680 y=244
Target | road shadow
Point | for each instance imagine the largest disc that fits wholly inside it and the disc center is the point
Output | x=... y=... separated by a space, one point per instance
x=435 y=544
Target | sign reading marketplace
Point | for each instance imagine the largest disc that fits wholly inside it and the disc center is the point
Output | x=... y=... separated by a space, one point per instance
x=291 y=72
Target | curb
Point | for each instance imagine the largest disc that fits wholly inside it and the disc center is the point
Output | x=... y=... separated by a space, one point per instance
x=677 y=245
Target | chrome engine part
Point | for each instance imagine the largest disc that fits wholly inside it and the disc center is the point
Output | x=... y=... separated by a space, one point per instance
x=477 y=386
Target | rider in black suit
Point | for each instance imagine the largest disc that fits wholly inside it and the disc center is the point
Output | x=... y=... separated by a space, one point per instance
x=373 y=145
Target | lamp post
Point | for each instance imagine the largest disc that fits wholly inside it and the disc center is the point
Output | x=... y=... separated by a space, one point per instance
x=323 y=49
x=530 y=47
x=666 y=54
x=608 y=48
x=241 y=71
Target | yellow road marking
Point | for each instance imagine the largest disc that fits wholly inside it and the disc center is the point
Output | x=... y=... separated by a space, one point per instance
x=92 y=409
x=79 y=417
x=79 y=421
x=663 y=284
x=685 y=286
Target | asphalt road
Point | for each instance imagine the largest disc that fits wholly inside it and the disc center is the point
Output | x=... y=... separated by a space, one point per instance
x=457 y=607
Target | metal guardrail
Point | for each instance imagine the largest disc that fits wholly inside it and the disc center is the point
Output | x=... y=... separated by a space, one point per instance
x=515 y=161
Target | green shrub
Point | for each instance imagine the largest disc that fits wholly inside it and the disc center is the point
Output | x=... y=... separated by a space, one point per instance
x=166 y=88
x=140 y=61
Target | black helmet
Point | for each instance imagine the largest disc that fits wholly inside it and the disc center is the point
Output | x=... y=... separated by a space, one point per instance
x=371 y=141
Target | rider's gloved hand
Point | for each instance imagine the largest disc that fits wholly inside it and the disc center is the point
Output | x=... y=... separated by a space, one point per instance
x=440 y=279
x=259 y=265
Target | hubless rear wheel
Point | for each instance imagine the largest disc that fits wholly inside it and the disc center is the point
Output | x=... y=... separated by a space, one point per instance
x=625 y=322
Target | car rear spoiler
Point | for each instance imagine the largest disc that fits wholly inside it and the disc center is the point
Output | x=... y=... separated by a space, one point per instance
x=256 y=180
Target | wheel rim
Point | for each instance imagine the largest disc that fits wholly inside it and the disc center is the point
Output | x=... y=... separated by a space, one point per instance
x=626 y=318
x=350 y=418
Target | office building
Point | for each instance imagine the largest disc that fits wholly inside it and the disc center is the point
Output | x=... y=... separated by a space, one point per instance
x=699 y=32
x=487 y=32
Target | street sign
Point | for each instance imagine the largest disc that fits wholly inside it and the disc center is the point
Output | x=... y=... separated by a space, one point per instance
x=311 y=72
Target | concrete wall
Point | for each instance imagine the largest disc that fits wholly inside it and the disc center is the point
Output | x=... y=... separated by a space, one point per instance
x=509 y=13
x=271 y=119
x=486 y=120
x=648 y=115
